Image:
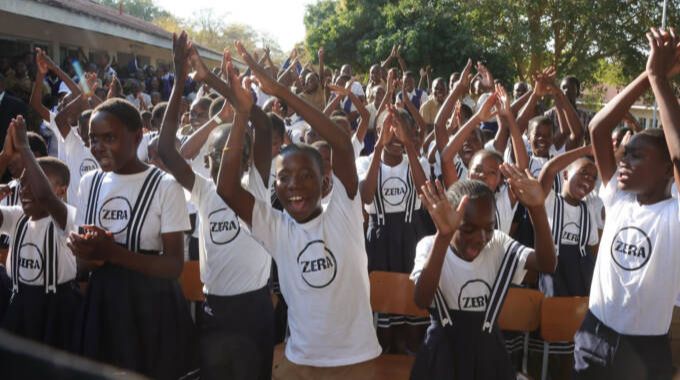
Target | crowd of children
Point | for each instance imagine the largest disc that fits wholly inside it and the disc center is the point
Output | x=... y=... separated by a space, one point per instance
x=297 y=183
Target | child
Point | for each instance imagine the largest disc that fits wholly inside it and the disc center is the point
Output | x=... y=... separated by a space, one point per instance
x=573 y=223
x=135 y=316
x=319 y=252
x=637 y=272
x=463 y=272
x=237 y=321
x=44 y=296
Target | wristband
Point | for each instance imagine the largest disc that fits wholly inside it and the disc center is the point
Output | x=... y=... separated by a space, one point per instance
x=218 y=119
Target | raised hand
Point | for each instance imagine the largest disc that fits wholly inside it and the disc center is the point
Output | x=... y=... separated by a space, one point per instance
x=92 y=82
x=485 y=76
x=267 y=83
x=181 y=50
x=525 y=187
x=40 y=61
x=503 y=104
x=486 y=111
x=17 y=132
x=242 y=98
x=201 y=71
x=465 y=76
x=445 y=218
x=385 y=135
x=396 y=123
x=663 y=50
x=341 y=91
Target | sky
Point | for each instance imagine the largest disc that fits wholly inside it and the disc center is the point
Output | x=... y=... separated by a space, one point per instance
x=281 y=20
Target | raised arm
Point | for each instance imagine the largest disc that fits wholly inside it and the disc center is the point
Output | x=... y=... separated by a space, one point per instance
x=35 y=177
x=559 y=163
x=407 y=139
x=369 y=184
x=662 y=58
x=36 y=95
x=532 y=197
x=386 y=63
x=167 y=150
x=541 y=88
x=320 y=54
x=44 y=59
x=574 y=124
x=417 y=117
x=460 y=87
x=342 y=150
x=262 y=142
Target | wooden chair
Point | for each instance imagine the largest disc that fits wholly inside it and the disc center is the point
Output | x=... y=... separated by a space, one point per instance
x=3 y=255
x=392 y=293
x=561 y=317
x=190 y=280
x=521 y=312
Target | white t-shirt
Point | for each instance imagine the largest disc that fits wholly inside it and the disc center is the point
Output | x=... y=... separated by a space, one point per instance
x=117 y=198
x=231 y=261
x=135 y=102
x=323 y=274
x=505 y=210
x=73 y=152
x=637 y=272
x=467 y=285
x=357 y=89
x=357 y=145
x=397 y=188
x=32 y=258
x=571 y=221
x=143 y=148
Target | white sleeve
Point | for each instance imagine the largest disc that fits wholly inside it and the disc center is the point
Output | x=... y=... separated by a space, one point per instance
x=522 y=252
x=266 y=224
x=201 y=184
x=610 y=193
x=70 y=222
x=357 y=89
x=357 y=145
x=174 y=215
x=10 y=215
x=255 y=185
x=423 y=249
x=83 y=195
x=363 y=163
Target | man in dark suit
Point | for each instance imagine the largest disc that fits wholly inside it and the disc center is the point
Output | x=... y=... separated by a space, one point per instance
x=10 y=107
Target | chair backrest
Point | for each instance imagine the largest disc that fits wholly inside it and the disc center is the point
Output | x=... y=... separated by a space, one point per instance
x=190 y=279
x=521 y=310
x=561 y=317
x=392 y=293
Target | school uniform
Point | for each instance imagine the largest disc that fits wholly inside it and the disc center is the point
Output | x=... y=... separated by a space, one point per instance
x=463 y=340
x=44 y=298
x=395 y=225
x=73 y=152
x=5 y=283
x=237 y=321
x=436 y=168
x=143 y=148
x=129 y=319
x=635 y=283
x=322 y=269
x=505 y=209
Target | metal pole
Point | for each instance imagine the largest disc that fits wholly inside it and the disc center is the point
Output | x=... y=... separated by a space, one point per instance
x=663 y=26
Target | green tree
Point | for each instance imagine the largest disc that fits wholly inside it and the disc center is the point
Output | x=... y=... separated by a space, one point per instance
x=144 y=9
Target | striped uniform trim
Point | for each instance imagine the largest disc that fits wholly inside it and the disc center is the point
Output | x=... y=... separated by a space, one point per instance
x=410 y=198
x=50 y=260
x=557 y=183
x=441 y=309
x=11 y=200
x=93 y=197
x=554 y=348
x=558 y=225
x=501 y=285
x=19 y=234
x=378 y=199
x=459 y=168
x=141 y=209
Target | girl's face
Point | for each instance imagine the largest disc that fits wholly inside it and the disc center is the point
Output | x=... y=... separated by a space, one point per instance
x=580 y=179
x=198 y=115
x=476 y=229
x=298 y=185
x=643 y=168
x=112 y=144
x=485 y=169
x=541 y=139
x=471 y=146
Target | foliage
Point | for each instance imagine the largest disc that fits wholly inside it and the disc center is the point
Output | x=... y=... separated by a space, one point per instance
x=144 y=9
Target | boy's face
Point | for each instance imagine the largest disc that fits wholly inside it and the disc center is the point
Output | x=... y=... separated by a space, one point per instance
x=642 y=167
x=476 y=228
x=470 y=147
x=485 y=169
x=541 y=139
x=298 y=185
x=198 y=115
x=409 y=83
x=439 y=91
x=28 y=203
x=580 y=179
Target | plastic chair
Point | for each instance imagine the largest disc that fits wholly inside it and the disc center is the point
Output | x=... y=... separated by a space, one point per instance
x=561 y=317
x=521 y=312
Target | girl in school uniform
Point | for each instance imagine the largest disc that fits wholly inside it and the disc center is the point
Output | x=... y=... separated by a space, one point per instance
x=389 y=181
x=134 y=316
x=237 y=321
x=319 y=251
x=485 y=164
x=637 y=272
x=463 y=272
x=44 y=298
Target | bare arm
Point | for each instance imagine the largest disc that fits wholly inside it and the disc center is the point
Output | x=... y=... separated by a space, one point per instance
x=559 y=163
x=262 y=142
x=36 y=96
x=440 y=134
x=575 y=127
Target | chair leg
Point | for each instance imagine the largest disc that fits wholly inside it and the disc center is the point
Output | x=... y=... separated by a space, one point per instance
x=544 y=367
x=525 y=353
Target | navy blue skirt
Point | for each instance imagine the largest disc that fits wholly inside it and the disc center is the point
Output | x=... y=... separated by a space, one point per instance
x=137 y=322
x=47 y=318
x=5 y=291
x=573 y=274
x=462 y=351
x=237 y=336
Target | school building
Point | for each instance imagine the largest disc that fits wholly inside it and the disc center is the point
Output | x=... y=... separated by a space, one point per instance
x=61 y=27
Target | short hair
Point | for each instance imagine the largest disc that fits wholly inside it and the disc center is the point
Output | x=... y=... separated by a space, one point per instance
x=218 y=139
x=278 y=127
x=308 y=150
x=465 y=111
x=122 y=110
x=539 y=120
x=216 y=106
x=573 y=79
x=438 y=79
x=657 y=137
x=344 y=77
x=203 y=102
x=159 y=110
x=37 y=144
x=484 y=153
x=409 y=73
x=474 y=189
x=56 y=168
x=85 y=115
x=588 y=159
x=146 y=115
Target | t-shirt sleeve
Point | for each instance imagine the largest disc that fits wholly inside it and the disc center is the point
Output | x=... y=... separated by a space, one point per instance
x=255 y=185
x=70 y=222
x=83 y=195
x=10 y=215
x=174 y=215
x=266 y=224
x=521 y=252
x=610 y=193
x=357 y=89
x=199 y=189
x=363 y=163
x=357 y=145
x=423 y=249
x=593 y=238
